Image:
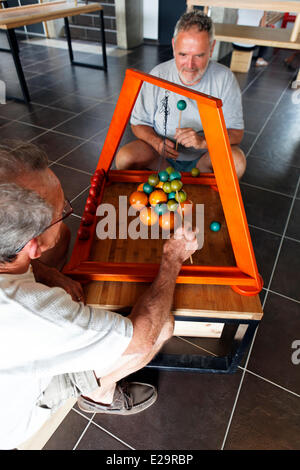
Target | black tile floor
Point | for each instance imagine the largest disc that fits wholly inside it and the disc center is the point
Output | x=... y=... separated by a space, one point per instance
x=258 y=407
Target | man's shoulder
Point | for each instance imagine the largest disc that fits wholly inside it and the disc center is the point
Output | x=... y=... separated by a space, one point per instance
x=218 y=69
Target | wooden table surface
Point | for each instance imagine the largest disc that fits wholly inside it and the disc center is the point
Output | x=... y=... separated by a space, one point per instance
x=189 y=299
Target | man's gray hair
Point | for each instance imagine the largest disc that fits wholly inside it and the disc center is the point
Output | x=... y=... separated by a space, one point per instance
x=195 y=19
x=23 y=159
x=23 y=216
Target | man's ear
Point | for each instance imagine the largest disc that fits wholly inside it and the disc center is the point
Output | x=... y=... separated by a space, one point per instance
x=173 y=44
x=212 y=48
x=33 y=249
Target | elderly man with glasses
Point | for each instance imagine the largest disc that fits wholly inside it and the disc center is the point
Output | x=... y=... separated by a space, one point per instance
x=52 y=345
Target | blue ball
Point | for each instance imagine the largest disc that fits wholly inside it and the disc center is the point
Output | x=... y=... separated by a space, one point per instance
x=147 y=188
x=175 y=176
x=181 y=105
x=171 y=195
x=215 y=226
x=163 y=175
x=161 y=208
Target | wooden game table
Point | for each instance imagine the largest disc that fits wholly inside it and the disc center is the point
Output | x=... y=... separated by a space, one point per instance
x=208 y=311
x=217 y=290
x=11 y=18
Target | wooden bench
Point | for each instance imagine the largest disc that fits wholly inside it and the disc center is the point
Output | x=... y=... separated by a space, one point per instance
x=11 y=18
x=260 y=36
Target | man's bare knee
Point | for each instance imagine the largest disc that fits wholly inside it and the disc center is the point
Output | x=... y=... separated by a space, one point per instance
x=239 y=160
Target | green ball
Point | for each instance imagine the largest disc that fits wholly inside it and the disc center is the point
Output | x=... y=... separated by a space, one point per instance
x=161 y=208
x=181 y=105
x=167 y=187
x=195 y=172
x=147 y=188
x=175 y=176
x=153 y=180
x=215 y=226
x=181 y=196
x=172 y=205
x=170 y=170
x=163 y=175
x=176 y=185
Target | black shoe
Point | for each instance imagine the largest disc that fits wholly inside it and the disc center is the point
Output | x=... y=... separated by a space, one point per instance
x=129 y=398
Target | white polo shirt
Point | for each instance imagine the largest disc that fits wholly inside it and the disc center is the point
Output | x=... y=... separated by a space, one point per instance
x=44 y=333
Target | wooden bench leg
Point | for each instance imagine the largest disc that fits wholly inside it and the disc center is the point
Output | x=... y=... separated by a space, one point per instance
x=15 y=53
x=241 y=60
x=71 y=55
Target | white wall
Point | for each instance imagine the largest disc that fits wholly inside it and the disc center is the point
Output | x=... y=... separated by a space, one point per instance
x=150 y=19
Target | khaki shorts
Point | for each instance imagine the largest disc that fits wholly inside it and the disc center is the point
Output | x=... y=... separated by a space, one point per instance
x=67 y=386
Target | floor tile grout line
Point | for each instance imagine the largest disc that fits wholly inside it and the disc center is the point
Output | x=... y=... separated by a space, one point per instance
x=101 y=427
x=282 y=237
x=244 y=183
x=256 y=77
x=284 y=296
x=237 y=395
x=113 y=435
x=241 y=367
x=270 y=382
x=85 y=189
x=83 y=433
x=267 y=119
x=264 y=302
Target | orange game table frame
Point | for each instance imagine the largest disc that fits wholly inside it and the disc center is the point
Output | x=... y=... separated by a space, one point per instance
x=224 y=273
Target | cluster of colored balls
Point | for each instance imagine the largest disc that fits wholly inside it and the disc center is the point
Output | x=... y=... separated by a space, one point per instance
x=159 y=198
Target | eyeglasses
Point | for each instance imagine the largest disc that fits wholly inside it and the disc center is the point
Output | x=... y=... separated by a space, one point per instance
x=67 y=210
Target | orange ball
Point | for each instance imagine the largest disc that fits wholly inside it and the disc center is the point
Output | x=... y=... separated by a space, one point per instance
x=148 y=216
x=186 y=208
x=160 y=185
x=140 y=187
x=138 y=200
x=167 y=221
x=157 y=196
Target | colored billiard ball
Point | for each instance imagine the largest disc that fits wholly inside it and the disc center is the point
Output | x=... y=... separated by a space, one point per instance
x=153 y=180
x=161 y=208
x=181 y=105
x=157 y=196
x=175 y=175
x=176 y=185
x=148 y=216
x=147 y=188
x=163 y=175
x=195 y=172
x=138 y=200
x=181 y=196
x=215 y=226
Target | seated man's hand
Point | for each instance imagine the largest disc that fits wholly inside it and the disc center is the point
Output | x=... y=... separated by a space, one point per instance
x=180 y=247
x=51 y=277
x=167 y=149
x=187 y=137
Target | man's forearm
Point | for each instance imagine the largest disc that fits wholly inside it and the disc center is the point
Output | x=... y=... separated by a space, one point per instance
x=235 y=136
x=153 y=308
x=148 y=135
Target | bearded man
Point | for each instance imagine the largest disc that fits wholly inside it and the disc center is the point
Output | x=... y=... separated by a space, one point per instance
x=193 y=44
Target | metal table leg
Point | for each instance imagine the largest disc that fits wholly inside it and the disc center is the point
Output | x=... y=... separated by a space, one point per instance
x=15 y=53
x=71 y=55
x=226 y=364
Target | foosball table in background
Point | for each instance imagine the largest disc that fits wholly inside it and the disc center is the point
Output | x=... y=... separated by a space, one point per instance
x=216 y=295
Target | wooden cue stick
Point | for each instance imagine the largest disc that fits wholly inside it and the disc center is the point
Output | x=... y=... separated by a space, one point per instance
x=180 y=209
x=178 y=127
